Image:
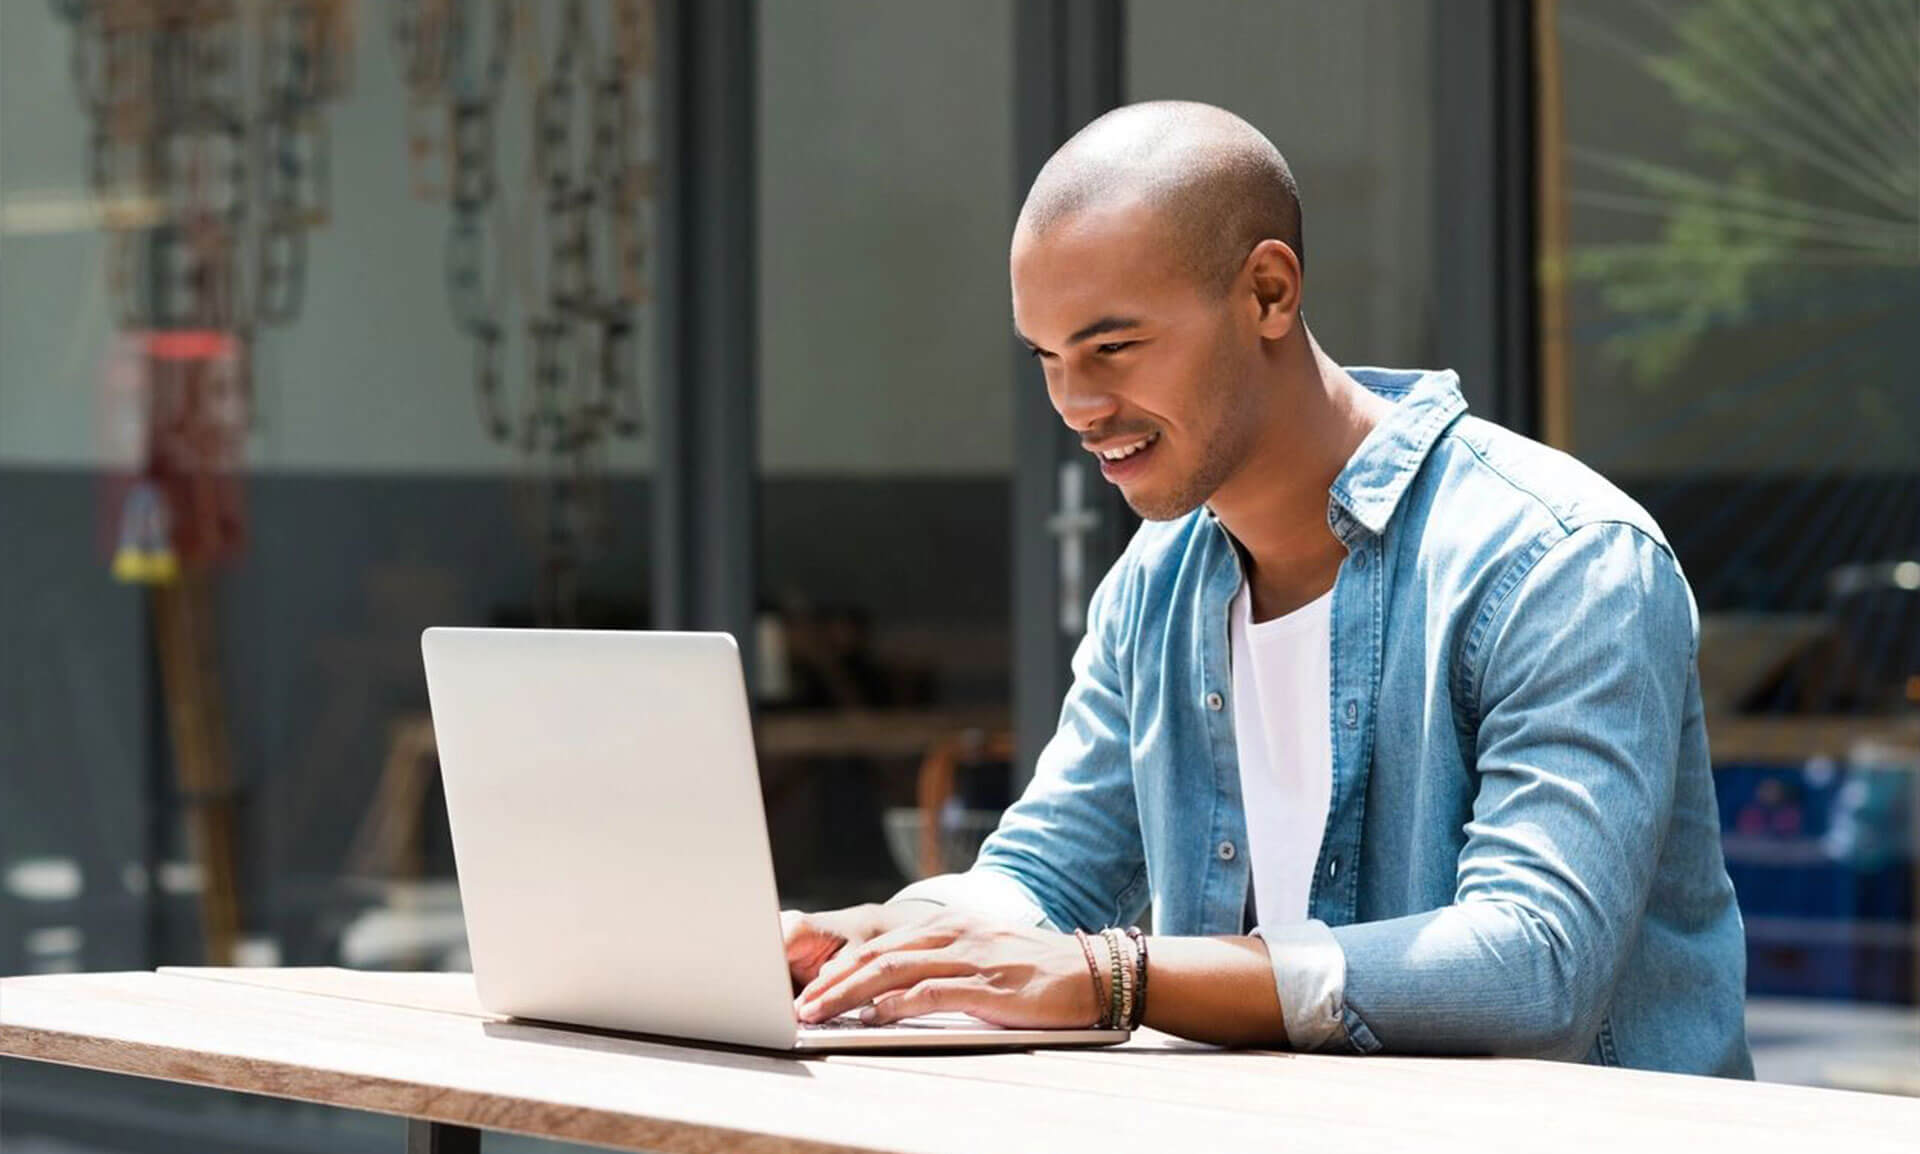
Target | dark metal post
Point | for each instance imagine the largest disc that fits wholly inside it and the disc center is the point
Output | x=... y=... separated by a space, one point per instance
x=424 y=1137
x=1067 y=71
x=1516 y=184
x=706 y=503
x=1485 y=288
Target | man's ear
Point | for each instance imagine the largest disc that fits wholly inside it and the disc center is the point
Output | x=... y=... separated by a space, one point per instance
x=1273 y=273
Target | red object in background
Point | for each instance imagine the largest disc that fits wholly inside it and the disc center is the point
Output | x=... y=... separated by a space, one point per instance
x=174 y=415
x=191 y=345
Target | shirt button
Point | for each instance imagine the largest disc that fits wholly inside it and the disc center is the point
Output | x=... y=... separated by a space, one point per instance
x=1360 y=560
x=1333 y=869
x=1226 y=851
x=1215 y=702
x=1352 y=713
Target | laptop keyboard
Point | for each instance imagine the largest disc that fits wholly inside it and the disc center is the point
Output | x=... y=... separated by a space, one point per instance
x=947 y=1021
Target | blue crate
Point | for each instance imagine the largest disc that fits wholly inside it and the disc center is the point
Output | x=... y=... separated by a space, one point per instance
x=1821 y=857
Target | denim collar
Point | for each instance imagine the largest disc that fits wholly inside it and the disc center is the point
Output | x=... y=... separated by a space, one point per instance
x=1369 y=488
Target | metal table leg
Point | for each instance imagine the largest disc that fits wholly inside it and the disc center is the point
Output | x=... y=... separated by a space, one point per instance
x=424 y=1137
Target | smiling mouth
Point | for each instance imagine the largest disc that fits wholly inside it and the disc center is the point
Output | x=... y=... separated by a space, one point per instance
x=1122 y=462
x=1122 y=452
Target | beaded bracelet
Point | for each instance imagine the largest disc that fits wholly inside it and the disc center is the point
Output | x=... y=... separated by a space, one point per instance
x=1122 y=998
x=1093 y=968
x=1139 y=940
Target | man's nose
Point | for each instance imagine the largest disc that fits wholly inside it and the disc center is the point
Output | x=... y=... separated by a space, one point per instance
x=1081 y=407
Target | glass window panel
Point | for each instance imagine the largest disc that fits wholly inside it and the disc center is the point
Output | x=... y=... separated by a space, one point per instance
x=1737 y=290
x=885 y=207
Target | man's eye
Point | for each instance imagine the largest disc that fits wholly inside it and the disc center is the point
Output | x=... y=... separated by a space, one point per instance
x=1113 y=347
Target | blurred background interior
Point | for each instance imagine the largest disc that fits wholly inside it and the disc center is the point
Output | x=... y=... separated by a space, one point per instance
x=322 y=321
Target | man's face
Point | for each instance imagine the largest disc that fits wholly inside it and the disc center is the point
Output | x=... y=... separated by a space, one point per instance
x=1139 y=356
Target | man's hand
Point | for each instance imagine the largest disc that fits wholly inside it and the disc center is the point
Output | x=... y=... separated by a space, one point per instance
x=1009 y=975
x=815 y=939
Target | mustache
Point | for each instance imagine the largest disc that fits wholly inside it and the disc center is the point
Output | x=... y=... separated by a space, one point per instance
x=1093 y=437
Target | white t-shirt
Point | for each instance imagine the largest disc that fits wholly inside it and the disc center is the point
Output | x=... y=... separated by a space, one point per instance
x=1281 y=725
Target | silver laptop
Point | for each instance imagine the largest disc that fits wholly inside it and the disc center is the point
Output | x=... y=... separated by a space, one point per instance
x=612 y=848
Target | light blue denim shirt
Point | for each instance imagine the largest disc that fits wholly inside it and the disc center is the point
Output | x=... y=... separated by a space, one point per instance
x=1522 y=851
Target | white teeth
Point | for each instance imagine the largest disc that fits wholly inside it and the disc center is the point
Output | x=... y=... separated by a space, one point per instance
x=1126 y=451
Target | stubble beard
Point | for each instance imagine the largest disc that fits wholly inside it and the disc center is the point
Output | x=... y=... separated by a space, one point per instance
x=1226 y=444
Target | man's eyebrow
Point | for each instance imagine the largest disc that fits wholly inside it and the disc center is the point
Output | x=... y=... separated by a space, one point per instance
x=1106 y=324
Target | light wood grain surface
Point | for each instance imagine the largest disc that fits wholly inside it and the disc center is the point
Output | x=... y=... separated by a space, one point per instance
x=420 y=1045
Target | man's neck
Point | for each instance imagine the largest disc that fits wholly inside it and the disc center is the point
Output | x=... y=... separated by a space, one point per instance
x=1276 y=506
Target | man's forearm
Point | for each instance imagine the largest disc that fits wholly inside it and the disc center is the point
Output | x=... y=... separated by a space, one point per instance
x=1217 y=990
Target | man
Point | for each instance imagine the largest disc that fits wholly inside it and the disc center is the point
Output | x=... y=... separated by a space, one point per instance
x=1392 y=715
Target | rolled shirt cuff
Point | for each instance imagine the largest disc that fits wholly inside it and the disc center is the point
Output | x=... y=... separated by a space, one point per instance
x=1310 y=975
x=982 y=891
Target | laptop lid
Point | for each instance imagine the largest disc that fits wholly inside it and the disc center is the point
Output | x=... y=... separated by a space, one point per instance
x=608 y=831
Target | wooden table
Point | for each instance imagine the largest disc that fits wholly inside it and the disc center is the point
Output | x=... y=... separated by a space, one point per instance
x=419 y=1046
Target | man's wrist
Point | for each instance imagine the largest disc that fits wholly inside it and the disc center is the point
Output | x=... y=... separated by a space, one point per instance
x=897 y=912
x=984 y=891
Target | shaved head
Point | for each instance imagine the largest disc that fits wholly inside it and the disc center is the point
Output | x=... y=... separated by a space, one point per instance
x=1213 y=181
x=1156 y=277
